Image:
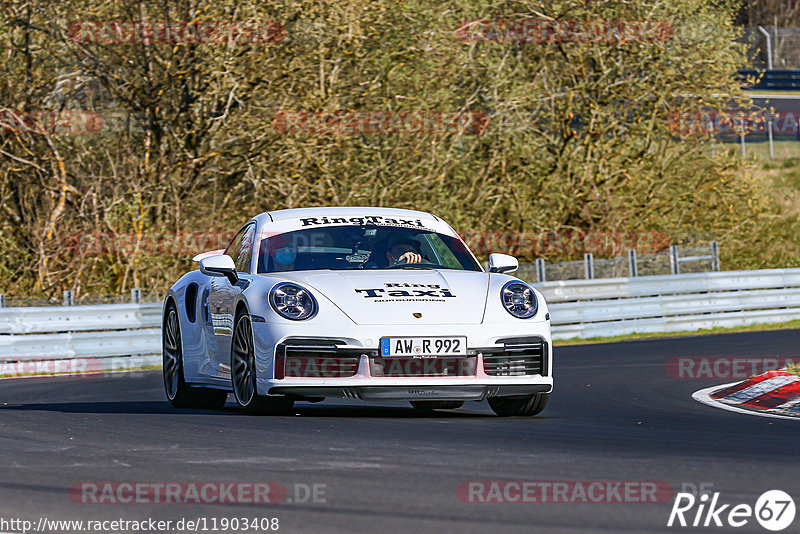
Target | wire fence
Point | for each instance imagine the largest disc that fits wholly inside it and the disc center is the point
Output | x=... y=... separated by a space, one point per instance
x=675 y=260
x=770 y=130
x=784 y=46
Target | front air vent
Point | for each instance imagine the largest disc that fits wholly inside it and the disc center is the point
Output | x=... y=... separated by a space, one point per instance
x=190 y=303
x=413 y=367
x=517 y=357
x=316 y=358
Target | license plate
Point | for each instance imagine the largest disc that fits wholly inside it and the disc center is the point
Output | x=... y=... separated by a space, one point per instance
x=423 y=346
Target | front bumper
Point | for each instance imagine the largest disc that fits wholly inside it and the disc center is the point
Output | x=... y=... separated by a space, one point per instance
x=461 y=392
x=495 y=369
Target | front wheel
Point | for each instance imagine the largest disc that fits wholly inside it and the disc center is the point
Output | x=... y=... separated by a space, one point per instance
x=525 y=406
x=243 y=374
x=179 y=393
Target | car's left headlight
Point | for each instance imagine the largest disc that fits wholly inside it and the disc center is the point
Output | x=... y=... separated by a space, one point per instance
x=292 y=301
x=519 y=299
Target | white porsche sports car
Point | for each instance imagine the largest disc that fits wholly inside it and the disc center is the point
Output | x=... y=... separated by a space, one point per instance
x=366 y=303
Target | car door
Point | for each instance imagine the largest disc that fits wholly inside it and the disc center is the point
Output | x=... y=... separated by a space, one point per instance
x=222 y=298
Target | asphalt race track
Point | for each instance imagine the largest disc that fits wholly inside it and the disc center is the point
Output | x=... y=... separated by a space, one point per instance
x=616 y=415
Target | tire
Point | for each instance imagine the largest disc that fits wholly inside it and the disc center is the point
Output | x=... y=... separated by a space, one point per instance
x=179 y=393
x=525 y=406
x=243 y=374
x=437 y=405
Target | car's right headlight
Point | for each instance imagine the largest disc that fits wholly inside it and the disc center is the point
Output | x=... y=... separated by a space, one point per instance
x=519 y=299
x=292 y=301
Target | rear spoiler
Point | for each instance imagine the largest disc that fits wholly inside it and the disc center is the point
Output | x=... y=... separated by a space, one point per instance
x=209 y=253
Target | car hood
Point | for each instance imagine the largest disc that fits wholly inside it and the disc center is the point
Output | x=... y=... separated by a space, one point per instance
x=402 y=296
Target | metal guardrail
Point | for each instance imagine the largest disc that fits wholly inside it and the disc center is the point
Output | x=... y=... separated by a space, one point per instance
x=80 y=345
x=72 y=340
x=79 y=318
x=671 y=303
x=774 y=80
x=643 y=286
x=578 y=309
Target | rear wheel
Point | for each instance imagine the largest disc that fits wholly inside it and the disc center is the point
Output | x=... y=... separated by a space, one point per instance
x=525 y=406
x=243 y=374
x=179 y=393
x=437 y=405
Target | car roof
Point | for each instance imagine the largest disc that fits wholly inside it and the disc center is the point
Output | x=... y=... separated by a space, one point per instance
x=343 y=211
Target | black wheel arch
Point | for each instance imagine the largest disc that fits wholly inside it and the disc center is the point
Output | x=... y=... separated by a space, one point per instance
x=169 y=301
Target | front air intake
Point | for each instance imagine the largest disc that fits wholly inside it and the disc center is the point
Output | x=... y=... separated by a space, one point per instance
x=315 y=358
x=517 y=357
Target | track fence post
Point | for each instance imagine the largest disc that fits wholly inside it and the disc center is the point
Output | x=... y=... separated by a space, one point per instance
x=714 y=256
x=136 y=296
x=741 y=137
x=674 y=260
x=711 y=135
x=69 y=298
x=540 y=273
x=2 y=301
x=771 y=144
x=633 y=269
x=589 y=265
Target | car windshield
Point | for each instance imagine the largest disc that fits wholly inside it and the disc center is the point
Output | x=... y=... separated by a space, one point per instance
x=363 y=247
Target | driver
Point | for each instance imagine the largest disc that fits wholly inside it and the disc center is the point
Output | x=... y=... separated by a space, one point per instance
x=405 y=249
x=283 y=256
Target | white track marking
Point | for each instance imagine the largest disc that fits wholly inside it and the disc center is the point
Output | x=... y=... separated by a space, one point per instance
x=758 y=389
x=793 y=406
x=704 y=396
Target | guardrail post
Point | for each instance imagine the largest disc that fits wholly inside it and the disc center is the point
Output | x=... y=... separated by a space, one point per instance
x=136 y=296
x=69 y=298
x=741 y=136
x=769 y=134
x=589 y=265
x=711 y=135
x=674 y=259
x=2 y=301
x=633 y=269
x=540 y=274
x=714 y=256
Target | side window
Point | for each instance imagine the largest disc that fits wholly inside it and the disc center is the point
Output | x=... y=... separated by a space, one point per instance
x=241 y=248
x=442 y=252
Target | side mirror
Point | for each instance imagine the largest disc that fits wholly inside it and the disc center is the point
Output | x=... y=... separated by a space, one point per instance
x=502 y=263
x=208 y=253
x=219 y=265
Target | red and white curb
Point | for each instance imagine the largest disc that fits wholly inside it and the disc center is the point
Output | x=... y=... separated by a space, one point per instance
x=773 y=394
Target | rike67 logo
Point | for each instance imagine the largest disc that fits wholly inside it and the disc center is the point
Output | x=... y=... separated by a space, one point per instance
x=774 y=510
